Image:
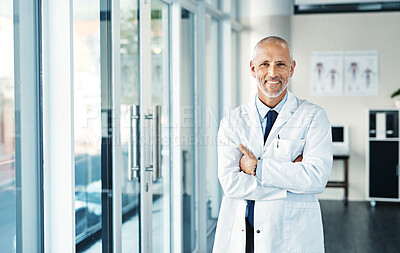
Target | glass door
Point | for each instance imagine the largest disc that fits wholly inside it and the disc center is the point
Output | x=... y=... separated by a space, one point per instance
x=122 y=144
x=144 y=82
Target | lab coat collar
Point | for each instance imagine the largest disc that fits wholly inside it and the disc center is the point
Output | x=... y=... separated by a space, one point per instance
x=251 y=115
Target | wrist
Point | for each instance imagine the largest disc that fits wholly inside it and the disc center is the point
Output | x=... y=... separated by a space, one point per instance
x=257 y=165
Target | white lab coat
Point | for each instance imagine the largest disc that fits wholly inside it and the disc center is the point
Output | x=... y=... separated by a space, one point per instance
x=287 y=215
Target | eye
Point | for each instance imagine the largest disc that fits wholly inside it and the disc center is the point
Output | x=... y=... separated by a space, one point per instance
x=281 y=64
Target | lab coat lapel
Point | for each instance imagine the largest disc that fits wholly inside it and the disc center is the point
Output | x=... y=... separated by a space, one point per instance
x=256 y=136
x=285 y=114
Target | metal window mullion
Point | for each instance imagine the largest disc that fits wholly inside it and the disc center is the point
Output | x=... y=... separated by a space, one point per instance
x=28 y=126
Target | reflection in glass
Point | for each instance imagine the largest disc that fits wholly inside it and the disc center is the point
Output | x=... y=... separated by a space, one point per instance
x=87 y=121
x=187 y=130
x=7 y=130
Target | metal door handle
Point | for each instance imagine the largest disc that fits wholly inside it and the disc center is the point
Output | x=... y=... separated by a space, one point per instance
x=134 y=144
x=156 y=142
x=156 y=137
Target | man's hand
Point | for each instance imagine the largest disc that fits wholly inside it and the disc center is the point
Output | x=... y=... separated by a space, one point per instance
x=298 y=159
x=248 y=161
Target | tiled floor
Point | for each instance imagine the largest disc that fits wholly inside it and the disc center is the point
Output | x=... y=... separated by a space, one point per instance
x=359 y=228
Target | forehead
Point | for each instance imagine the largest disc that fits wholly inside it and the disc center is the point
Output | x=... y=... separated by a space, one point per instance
x=272 y=50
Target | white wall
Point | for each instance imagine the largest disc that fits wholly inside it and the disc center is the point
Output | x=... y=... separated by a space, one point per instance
x=343 y=32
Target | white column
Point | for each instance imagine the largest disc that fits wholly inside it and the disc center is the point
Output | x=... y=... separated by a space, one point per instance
x=59 y=176
x=176 y=164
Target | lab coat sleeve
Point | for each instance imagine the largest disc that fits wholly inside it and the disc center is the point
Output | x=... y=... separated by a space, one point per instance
x=234 y=182
x=310 y=175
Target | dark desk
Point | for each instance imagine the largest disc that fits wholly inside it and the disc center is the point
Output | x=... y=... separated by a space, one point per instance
x=342 y=184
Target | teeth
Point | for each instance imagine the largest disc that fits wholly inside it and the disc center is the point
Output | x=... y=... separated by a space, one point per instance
x=272 y=82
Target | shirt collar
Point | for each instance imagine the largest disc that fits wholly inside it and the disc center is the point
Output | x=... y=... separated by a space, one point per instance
x=263 y=109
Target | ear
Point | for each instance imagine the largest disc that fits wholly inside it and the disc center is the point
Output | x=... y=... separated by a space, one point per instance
x=253 y=69
x=292 y=66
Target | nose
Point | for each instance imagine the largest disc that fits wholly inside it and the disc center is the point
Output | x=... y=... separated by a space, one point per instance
x=272 y=71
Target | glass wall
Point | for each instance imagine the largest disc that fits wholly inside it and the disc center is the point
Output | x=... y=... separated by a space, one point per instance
x=212 y=104
x=21 y=208
x=188 y=133
x=8 y=219
x=87 y=121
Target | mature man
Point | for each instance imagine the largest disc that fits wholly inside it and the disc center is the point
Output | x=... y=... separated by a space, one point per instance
x=274 y=156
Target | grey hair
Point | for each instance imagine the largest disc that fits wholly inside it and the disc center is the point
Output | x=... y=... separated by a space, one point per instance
x=274 y=39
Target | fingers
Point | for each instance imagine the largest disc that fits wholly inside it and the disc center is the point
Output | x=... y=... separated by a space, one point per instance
x=243 y=149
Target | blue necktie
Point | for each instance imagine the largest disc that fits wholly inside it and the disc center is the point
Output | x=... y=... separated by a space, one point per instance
x=271 y=117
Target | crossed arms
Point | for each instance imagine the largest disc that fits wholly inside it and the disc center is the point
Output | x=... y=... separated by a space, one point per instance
x=248 y=162
x=306 y=174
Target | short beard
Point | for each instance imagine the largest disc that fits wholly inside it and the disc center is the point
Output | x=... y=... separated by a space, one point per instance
x=274 y=94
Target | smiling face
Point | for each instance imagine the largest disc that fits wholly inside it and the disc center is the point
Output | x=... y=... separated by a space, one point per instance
x=272 y=68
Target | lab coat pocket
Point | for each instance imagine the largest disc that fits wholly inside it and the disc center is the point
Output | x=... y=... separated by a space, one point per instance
x=302 y=227
x=296 y=149
x=288 y=149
